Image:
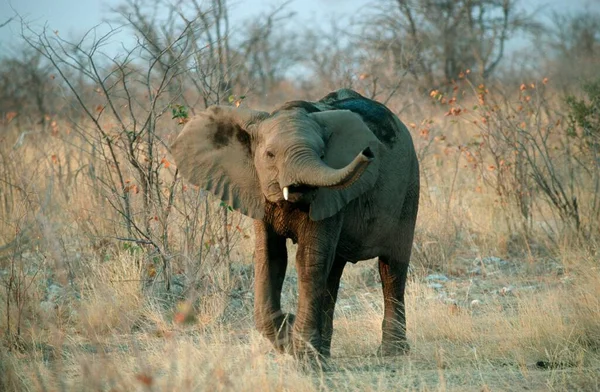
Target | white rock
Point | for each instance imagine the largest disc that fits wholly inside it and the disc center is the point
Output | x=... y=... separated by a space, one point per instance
x=506 y=290
x=436 y=278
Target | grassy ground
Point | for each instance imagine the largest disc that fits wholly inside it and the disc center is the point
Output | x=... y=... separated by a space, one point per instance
x=504 y=325
x=488 y=308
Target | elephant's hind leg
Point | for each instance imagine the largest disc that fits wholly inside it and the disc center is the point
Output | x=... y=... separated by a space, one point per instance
x=393 y=271
x=393 y=280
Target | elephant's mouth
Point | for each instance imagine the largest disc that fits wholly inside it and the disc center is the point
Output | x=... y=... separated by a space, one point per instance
x=298 y=192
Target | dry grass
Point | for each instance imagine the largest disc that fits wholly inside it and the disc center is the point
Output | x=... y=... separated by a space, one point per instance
x=95 y=315
x=119 y=336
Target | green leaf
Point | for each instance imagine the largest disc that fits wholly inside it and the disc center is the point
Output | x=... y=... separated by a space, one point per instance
x=225 y=205
x=131 y=248
x=179 y=111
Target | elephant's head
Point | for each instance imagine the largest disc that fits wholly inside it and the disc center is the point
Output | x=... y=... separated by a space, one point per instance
x=248 y=157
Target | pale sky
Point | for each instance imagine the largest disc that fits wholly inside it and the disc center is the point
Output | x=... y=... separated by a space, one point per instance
x=74 y=17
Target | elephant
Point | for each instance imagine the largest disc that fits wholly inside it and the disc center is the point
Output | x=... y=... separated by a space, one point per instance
x=339 y=177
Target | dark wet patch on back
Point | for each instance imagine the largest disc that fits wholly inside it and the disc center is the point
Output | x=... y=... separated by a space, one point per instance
x=379 y=118
x=340 y=95
x=307 y=106
x=330 y=97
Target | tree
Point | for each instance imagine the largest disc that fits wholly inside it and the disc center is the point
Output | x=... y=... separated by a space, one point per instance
x=437 y=39
x=571 y=48
x=205 y=51
x=268 y=51
x=26 y=84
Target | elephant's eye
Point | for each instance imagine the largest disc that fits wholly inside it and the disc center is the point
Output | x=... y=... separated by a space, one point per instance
x=270 y=155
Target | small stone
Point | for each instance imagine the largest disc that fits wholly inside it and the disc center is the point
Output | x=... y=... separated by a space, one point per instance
x=490 y=260
x=506 y=290
x=436 y=277
x=566 y=279
x=475 y=303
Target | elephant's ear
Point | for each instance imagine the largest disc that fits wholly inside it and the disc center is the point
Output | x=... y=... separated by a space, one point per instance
x=346 y=135
x=214 y=151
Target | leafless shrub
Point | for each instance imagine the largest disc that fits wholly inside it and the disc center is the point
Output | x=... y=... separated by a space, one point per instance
x=434 y=41
x=126 y=101
x=267 y=52
x=540 y=171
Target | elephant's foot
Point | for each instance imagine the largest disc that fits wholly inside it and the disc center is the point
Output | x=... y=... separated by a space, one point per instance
x=326 y=344
x=396 y=348
x=314 y=363
x=284 y=325
x=309 y=357
x=326 y=352
x=307 y=347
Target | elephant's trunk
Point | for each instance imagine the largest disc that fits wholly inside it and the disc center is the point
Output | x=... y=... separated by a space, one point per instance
x=316 y=173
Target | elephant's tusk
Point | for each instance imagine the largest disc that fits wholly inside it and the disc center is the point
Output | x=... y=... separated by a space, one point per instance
x=286 y=192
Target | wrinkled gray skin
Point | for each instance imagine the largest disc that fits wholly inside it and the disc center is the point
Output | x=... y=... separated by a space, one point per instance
x=353 y=181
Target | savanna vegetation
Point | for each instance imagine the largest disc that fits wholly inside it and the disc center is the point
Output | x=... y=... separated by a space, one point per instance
x=117 y=275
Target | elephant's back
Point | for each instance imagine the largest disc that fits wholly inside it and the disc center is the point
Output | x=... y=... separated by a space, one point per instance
x=382 y=122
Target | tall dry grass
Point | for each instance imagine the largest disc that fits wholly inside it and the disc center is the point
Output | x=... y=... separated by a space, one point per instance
x=116 y=336
x=82 y=308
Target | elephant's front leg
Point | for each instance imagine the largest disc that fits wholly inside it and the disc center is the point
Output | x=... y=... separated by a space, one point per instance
x=314 y=259
x=329 y=300
x=269 y=272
